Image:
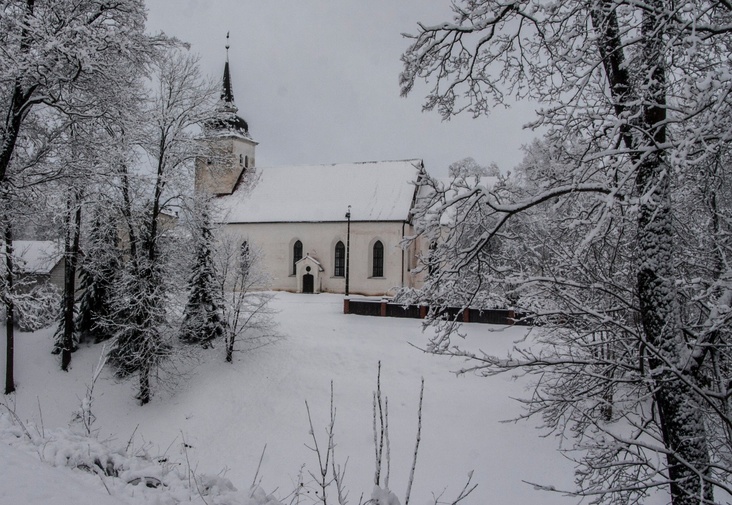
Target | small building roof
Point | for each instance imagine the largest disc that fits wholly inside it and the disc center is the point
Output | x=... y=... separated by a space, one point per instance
x=376 y=191
x=310 y=259
x=37 y=256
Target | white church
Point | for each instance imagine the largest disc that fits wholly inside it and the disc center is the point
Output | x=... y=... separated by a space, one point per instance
x=319 y=228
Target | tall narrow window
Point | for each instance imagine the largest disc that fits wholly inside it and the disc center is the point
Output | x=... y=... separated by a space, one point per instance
x=244 y=258
x=431 y=259
x=296 y=255
x=378 y=260
x=340 y=260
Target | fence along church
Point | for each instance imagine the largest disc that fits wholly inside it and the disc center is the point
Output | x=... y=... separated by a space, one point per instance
x=296 y=215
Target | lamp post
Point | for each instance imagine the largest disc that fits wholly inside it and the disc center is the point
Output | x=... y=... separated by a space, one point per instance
x=348 y=246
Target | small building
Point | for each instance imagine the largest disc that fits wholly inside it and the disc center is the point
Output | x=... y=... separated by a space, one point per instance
x=38 y=262
x=319 y=228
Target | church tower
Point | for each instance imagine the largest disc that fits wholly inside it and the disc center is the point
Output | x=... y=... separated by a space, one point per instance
x=232 y=147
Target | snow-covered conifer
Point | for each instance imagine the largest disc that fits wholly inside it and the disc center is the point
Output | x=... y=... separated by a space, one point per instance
x=99 y=269
x=203 y=317
x=140 y=323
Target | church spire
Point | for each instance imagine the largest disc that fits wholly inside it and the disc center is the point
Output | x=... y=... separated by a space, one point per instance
x=226 y=110
x=227 y=94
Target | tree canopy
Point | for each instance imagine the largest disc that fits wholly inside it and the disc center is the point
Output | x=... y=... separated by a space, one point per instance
x=619 y=215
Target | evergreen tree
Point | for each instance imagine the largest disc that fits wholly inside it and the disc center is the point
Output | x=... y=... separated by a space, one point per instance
x=203 y=319
x=66 y=337
x=139 y=321
x=59 y=337
x=98 y=272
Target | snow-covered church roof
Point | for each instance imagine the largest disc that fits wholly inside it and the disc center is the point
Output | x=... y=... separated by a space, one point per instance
x=376 y=191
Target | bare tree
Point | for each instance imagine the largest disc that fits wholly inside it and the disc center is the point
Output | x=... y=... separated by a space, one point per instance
x=247 y=311
x=181 y=101
x=57 y=50
x=642 y=89
x=62 y=61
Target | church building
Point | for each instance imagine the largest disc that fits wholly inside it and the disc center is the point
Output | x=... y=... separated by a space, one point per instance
x=335 y=228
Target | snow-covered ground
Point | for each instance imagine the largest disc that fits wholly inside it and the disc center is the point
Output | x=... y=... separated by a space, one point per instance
x=227 y=413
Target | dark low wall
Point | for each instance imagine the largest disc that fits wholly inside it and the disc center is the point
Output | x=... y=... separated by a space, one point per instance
x=469 y=315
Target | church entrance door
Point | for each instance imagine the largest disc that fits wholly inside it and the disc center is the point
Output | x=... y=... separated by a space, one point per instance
x=307 y=283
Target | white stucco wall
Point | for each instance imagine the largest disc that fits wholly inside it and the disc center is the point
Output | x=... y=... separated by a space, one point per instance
x=276 y=240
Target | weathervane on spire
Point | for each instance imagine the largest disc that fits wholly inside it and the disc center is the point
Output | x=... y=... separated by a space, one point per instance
x=227 y=46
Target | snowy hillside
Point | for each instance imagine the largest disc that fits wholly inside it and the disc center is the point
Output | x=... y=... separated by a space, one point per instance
x=227 y=413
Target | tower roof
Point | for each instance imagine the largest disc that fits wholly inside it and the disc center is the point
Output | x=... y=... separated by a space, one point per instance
x=226 y=120
x=227 y=95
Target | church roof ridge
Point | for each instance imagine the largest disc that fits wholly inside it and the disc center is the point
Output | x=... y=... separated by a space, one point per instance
x=377 y=191
x=418 y=161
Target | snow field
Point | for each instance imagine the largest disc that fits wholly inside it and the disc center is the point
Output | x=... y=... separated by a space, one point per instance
x=227 y=413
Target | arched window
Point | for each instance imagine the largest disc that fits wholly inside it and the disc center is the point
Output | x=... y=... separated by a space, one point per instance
x=241 y=159
x=244 y=258
x=378 y=259
x=340 y=260
x=431 y=259
x=296 y=255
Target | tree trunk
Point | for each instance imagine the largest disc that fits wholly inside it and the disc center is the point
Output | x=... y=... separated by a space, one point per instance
x=144 y=384
x=12 y=129
x=9 y=312
x=70 y=262
x=683 y=431
x=610 y=46
x=127 y=212
x=230 y=348
x=155 y=212
x=19 y=103
x=149 y=247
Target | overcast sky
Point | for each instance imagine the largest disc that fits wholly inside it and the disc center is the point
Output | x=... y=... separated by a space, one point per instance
x=317 y=81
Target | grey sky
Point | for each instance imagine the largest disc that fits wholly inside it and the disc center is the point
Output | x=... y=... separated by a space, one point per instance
x=317 y=81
